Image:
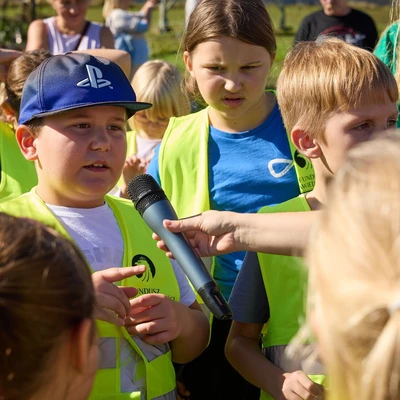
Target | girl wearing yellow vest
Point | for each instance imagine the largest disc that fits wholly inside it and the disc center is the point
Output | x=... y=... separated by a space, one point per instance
x=48 y=340
x=232 y=155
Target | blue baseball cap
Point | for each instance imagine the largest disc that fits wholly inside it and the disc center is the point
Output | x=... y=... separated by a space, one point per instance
x=75 y=80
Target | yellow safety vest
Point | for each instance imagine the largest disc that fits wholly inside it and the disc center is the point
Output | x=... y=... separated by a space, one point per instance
x=285 y=281
x=18 y=175
x=139 y=248
x=185 y=178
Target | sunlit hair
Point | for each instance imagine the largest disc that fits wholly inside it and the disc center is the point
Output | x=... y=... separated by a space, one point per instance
x=245 y=20
x=354 y=278
x=18 y=72
x=329 y=76
x=45 y=292
x=109 y=5
x=160 y=83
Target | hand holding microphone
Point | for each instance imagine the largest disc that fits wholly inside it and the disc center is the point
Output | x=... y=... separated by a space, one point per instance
x=153 y=205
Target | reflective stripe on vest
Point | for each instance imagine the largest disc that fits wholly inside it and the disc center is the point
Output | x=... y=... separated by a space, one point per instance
x=18 y=175
x=139 y=248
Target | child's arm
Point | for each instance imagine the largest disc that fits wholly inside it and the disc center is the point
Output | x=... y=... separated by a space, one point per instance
x=37 y=36
x=243 y=352
x=160 y=320
x=112 y=302
x=218 y=232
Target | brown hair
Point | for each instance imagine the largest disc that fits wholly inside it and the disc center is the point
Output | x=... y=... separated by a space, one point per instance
x=245 y=20
x=329 y=76
x=18 y=72
x=45 y=290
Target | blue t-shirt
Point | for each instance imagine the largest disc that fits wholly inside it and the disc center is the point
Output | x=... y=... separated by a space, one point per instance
x=247 y=171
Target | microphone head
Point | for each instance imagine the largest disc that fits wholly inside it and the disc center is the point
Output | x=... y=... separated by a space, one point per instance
x=144 y=191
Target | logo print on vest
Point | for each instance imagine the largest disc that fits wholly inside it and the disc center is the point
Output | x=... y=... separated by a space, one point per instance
x=94 y=79
x=141 y=259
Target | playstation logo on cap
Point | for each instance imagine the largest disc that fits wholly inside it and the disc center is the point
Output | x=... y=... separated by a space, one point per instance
x=94 y=79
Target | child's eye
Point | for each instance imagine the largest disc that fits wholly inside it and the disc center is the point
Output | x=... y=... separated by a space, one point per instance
x=215 y=68
x=248 y=67
x=361 y=127
x=392 y=123
x=116 y=128
x=83 y=126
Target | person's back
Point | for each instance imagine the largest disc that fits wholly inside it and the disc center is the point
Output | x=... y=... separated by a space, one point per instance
x=338 y=19
x=48 y=340
x=354 y=285
x=68 y=30
x=76 y=136
x=339 y=108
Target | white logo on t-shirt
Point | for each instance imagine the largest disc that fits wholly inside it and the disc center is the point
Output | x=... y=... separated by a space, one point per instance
x=94 y=79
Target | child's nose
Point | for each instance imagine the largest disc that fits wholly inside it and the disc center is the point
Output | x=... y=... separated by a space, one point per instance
x=232 y=83
x=101 y=140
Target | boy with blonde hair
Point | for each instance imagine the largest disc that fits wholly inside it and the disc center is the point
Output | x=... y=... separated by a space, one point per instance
x=343 y=95
x=72 y=126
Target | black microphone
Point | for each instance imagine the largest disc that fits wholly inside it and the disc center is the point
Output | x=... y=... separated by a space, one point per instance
x=153 y=205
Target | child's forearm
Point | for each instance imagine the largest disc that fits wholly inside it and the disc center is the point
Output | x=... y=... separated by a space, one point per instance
x=194 y=337
x=244 y=355
x=279 y=233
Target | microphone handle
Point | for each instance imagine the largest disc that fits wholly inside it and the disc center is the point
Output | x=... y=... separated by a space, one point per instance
x=187 y=258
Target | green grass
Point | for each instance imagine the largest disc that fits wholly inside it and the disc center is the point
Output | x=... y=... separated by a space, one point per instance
x=167 y=46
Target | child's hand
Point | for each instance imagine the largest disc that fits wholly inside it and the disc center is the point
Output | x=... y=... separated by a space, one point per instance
x=112 y=302
x=297 y=385
x=156 y=317
x=132 y=168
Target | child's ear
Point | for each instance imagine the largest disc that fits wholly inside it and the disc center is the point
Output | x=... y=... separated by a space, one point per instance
x=188 y=62
x=305 y=145
x=80 y=341
x=26 y=142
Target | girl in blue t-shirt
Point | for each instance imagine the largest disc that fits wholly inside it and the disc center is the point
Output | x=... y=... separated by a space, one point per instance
x=229 y=47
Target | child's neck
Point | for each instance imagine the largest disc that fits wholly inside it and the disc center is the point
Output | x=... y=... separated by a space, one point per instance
x=254 y=118
x=68 y=30
x=316 y=199
x=147 y=136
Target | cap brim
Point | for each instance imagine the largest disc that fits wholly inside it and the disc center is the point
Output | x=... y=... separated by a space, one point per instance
x=131 y=108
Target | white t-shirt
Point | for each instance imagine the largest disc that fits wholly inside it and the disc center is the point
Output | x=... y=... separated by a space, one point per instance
x=97 y=234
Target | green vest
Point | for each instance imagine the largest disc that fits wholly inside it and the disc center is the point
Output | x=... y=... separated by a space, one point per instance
x=158 y=278
x=285 y=281
x=18 y=175
x=185 y=179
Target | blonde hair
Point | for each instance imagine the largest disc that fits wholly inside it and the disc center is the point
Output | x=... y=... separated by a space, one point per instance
x=326 y=77
x=354 y=277
x=160 y=83
x=108 y=6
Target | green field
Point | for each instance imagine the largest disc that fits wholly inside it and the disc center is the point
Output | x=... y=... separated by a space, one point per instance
x=168 y=46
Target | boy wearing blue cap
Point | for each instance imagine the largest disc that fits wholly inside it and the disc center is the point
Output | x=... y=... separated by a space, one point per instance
x=72 y=126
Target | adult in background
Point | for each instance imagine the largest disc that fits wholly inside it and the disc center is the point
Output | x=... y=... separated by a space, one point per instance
x=129 y=28
x=338 y=19
x=69 y=30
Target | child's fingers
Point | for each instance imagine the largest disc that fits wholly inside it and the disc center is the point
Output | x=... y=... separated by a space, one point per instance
x=129 y=291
